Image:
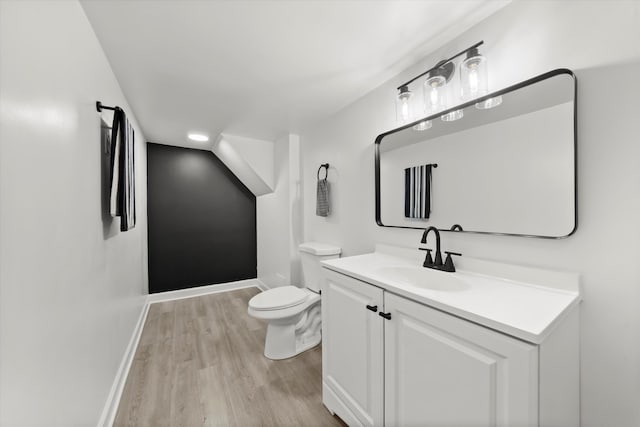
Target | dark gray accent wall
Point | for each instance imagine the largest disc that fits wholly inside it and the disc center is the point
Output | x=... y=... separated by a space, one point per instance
x=202 y=220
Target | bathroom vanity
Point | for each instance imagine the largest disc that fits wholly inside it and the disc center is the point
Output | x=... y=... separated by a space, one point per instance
x=489 y=345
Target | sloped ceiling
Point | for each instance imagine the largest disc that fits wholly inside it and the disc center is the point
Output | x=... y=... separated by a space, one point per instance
x=263 y=68
x=251 y=160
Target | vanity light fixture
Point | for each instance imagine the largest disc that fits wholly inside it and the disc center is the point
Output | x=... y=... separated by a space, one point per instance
x=438 y=94
x=198 y=137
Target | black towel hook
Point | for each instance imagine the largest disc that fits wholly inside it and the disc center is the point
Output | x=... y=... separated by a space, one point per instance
x=326 y=170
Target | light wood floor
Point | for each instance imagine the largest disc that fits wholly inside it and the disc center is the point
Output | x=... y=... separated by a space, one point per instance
x=200 y=363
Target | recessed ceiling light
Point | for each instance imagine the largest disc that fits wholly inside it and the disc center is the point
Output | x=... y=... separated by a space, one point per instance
x=198 y=137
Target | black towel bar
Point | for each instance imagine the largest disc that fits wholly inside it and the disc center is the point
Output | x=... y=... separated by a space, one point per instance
x=326 y=170
x=101 y=107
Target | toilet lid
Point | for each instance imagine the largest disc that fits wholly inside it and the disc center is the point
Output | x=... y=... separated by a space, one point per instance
x=278 y=298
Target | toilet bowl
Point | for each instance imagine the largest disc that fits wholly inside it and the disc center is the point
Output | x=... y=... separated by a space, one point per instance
x=292 y=312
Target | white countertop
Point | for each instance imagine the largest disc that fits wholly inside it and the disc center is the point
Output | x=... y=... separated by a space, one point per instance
x=513 y=305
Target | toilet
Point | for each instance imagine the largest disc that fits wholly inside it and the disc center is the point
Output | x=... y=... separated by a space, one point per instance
x=292 y=312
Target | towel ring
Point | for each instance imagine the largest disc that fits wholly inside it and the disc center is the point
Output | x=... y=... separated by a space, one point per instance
x=326 y=170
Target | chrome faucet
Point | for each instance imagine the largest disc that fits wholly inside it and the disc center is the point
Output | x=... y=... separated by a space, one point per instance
x=437 y=264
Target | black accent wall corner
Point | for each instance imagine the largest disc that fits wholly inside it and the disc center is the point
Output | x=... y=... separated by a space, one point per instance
x=202 y=220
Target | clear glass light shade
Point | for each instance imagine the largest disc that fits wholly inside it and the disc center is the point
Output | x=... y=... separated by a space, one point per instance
x=435 y=97
x=473 y=76
x=489 y=103
x=404 y=107
x=423 y=125
x=452 y=116
x=452 y=100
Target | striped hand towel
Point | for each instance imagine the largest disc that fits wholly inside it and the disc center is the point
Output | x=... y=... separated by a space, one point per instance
x=417 y=192
x=322 y=198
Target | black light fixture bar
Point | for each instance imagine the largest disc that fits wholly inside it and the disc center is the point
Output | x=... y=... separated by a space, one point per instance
x=441 y=63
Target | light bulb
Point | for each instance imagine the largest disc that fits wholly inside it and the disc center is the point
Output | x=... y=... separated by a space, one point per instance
x=434 y=94
x=404 y=109
x=403 y=105
x=473 y=81
x=473 y=76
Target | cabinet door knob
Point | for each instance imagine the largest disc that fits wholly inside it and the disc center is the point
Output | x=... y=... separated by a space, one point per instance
x=385 y=315
x=372 y=307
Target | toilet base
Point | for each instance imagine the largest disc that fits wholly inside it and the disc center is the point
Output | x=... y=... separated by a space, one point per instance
x=274 y=352
x=288 y=339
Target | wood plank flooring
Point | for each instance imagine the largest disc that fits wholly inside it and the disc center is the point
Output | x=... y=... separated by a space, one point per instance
x=200 y=363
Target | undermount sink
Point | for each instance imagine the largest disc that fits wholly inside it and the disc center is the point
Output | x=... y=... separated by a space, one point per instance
x=424 y=278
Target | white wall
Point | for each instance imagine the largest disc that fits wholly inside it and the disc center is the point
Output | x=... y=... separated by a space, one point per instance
x=279 y=218
x=71 y=286
x=599 y=40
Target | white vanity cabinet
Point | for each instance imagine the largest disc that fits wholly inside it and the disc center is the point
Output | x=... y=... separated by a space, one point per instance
x=352 y=368
x=444 y=371
x=425 y=367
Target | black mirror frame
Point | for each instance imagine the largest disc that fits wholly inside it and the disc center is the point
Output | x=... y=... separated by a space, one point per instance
x=544 y=76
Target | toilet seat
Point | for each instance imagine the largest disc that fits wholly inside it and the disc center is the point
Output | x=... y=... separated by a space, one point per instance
x=282 y=314
x=278 y=298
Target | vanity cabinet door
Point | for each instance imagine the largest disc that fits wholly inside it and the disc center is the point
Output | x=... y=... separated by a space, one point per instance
x=441 y=370
x=352 y=349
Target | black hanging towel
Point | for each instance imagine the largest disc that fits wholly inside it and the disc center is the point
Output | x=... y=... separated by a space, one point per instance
x=122 y=201
x=417 y=191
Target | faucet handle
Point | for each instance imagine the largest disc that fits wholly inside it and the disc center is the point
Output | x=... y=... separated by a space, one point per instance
x=448 y=263
x=427 y=259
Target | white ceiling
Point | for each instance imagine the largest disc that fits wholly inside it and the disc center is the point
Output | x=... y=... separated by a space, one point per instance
x=264 y=68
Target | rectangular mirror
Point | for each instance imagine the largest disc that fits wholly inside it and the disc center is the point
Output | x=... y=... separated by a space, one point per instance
x=509 y=170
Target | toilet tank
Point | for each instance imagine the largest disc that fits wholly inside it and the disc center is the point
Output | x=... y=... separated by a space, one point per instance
x=311 y=253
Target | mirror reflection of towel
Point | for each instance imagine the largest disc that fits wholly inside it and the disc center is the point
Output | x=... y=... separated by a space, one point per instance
x=417 y=192
x=322 y=198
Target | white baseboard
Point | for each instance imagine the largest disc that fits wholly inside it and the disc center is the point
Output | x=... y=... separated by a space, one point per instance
x=202 y=290
x=113 y=400
x=274 y=280
x=337 y=407
x=261 y=285
x=111 y=406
